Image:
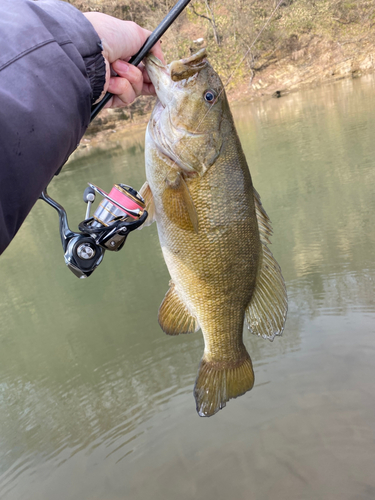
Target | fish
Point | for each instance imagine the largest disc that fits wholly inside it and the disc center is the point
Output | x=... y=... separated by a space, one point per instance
x=213 y=230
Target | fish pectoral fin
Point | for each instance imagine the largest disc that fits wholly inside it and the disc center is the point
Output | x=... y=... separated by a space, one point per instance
x=174 y=317
x=218 y=382
x=265 y=316
x=189 y=204
x=178 y=203
x=147 y=195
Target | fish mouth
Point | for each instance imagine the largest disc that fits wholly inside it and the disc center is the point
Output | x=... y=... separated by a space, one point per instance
x=150 y=58
x=160 y=78
x=164 y=77
x=166 y=80
x=190 y=66
x=180 y=69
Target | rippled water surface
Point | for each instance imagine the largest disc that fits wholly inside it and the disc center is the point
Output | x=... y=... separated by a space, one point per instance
x=96 y=401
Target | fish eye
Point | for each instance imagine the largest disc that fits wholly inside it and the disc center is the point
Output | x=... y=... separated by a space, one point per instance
x=210 y=96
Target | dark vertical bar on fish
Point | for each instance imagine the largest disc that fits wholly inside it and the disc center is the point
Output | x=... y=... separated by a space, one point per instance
x=147 y=46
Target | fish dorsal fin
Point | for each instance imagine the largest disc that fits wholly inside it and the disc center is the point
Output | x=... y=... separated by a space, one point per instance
x=178 y=203
x=147 y=195
x=266 y=313
x=174 y=317
x=264 y=223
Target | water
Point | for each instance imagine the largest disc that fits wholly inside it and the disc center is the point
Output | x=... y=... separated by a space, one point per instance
x=96 y=402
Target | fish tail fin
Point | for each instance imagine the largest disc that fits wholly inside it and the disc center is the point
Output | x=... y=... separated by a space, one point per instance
x=218 y=382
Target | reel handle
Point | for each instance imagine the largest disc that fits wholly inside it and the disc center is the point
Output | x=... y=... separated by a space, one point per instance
x=65 y=232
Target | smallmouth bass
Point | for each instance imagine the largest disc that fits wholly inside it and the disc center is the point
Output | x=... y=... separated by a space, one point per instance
x=212 y=228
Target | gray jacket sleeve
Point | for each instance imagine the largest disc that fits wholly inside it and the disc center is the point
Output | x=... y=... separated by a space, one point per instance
x=51 y=70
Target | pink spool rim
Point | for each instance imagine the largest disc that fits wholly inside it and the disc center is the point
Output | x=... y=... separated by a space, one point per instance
x=121 y=199
x=124 y=199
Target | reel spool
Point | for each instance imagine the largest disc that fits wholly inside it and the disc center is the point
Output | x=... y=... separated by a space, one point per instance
x=121 y=201
x=122 y=205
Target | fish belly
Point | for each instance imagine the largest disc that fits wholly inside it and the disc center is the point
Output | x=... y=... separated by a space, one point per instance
x=215 y=269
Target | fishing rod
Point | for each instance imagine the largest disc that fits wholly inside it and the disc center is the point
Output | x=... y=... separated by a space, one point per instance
x=121 y=210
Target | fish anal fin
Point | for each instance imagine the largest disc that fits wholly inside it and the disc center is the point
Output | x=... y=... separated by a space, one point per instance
x=178 y=203
x=266 y=314
x=218 y=382
x=147 y=195
x=174 y=317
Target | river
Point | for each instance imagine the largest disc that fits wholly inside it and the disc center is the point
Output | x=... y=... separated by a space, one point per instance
x=96 y=401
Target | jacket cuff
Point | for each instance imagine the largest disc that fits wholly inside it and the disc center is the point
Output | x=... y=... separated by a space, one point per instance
x=96 y=71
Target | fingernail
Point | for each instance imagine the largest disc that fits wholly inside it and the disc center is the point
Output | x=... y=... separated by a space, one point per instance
x=122 y=65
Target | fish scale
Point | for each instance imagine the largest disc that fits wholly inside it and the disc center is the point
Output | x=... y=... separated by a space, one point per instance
x=199 y=192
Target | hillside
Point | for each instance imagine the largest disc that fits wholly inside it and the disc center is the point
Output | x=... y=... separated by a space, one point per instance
x=306 y=42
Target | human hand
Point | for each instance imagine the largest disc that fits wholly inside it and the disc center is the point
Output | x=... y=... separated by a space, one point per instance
x=121 y=40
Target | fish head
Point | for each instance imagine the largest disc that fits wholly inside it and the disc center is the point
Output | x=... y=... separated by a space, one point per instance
x=186 y=124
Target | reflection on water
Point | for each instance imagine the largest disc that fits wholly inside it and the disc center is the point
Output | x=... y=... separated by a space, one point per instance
x=96 y=402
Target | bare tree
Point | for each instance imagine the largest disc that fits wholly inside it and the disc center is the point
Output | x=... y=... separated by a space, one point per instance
x=210 y=18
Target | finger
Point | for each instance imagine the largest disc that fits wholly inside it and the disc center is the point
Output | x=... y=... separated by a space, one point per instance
x=121 y=39
x=130 y=73
x=122 y=88
x=148 y=89
x=116 y=102
x=146 y=78
x=109 y=104
x=120 y=101
x=156 y=49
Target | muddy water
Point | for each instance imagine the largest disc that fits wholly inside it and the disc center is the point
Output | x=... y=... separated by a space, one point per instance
x=96 y=402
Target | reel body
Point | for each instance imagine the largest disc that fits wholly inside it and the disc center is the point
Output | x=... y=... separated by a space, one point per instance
x=120 y=212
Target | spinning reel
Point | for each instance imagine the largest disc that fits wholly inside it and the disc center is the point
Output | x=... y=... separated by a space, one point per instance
x=120 y=212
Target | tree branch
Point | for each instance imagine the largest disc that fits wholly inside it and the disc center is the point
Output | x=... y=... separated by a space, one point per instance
x=211 y=20
x=199 y=15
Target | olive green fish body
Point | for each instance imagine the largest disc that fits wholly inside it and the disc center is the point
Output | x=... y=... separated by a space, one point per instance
x=201 y=196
